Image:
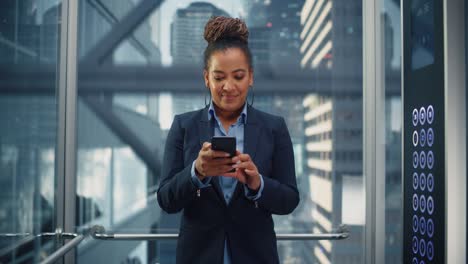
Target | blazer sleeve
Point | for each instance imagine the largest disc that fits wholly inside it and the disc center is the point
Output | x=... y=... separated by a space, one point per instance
x=280 y=194
x=176 y=189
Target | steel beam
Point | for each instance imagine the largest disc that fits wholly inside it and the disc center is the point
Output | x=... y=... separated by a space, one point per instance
x=120 y=32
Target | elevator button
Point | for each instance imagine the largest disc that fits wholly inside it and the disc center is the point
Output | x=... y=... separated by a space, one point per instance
x=430 y=250
x=422 y=115
x=415 y=159
x=430 y=205
x=415 y=245
x=422 y=247
x=415 y=223
x=422 y=137
x=430 y=182
x=415 y=181
x=430 y=114
x=422 y=225
x=430 y=159
x=422 y=159
x=415 y=202
x=422 y=203
x=415 y=138
x=415 y=117
x=430 y=227
x=430 y=137
x=422 y=181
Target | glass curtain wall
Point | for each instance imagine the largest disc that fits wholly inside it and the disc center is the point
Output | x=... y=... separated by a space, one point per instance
x=392 y=48
x=308 y=68
x=134 y=77
x=29 y=48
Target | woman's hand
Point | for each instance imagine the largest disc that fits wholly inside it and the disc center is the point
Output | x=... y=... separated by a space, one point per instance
x=211 y=162
x=246 y=171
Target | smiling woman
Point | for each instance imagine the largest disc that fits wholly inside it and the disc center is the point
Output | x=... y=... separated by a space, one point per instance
x=228 y=66
x=227 y=216
x=228 y=79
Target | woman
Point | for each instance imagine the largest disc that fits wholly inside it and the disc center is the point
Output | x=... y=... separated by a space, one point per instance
x=227 y=216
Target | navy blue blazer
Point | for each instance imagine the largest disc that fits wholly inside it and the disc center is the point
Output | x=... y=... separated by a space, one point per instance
x=206 y=219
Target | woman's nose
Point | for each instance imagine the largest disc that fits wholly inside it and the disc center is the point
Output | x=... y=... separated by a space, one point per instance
x=228 y=86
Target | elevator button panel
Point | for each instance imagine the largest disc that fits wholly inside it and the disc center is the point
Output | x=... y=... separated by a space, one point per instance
x=423 y=160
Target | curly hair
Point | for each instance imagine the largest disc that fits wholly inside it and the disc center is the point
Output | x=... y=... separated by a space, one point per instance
x=223 y=33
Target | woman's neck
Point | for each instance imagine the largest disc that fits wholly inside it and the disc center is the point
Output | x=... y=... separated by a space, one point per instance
x=227 y=116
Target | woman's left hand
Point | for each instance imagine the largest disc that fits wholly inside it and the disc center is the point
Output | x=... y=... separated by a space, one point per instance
x=246 y=171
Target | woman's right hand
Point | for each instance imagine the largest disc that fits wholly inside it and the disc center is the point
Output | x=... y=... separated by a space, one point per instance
x=211 y=162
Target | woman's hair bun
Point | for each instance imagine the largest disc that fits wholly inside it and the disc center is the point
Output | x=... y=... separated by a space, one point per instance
x=226 y=28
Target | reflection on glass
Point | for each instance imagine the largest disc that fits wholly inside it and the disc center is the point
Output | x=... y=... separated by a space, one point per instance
x=128 y=102
x=29 y=33
x=422 y=33
x=393 y=210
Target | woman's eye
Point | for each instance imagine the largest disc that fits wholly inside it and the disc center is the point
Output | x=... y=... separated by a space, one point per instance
x=218 y=78
x=239 y=77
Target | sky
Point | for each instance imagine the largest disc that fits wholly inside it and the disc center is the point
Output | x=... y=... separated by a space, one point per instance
x=167 y=11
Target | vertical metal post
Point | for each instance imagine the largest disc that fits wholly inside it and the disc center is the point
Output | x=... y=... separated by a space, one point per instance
x=111 y=184
x=455 y=131
x=374 y=131
x=66 y=145
x=61 y=96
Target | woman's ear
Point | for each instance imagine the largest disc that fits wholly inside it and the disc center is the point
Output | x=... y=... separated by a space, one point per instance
x=251 y=79
x=207 y=81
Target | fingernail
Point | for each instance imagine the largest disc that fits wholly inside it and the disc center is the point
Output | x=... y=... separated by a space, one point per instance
x=227 y=155
x=234 y=166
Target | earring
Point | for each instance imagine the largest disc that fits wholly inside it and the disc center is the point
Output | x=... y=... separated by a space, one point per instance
x=253 y=96
x=205 y=96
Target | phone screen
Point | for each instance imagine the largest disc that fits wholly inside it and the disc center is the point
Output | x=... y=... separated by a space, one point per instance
x=226 y=144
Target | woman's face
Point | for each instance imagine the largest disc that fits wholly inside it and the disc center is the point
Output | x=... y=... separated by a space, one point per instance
x=228 y=78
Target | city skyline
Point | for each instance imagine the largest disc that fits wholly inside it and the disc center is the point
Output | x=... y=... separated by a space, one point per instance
x=168 y=10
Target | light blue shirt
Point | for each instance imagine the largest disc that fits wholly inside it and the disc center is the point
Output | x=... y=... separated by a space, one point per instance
x=228 y=184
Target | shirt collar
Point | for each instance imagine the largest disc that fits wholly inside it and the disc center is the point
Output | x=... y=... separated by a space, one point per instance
x=242 y=118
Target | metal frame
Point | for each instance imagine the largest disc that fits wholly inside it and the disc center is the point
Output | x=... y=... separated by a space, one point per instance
x=104 y=112
x=61 y=96
x=402 y=60
x=120 y=31
x=66 y=135
x=455 y=131
x=374 y=131
x=155 y=79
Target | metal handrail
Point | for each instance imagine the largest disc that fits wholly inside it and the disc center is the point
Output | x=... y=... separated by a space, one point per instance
x=28 y=237
x=75 y=240
x=63 y=250
x=70 y=245
x=45 y=234
x=99 y=232
x=341 y=233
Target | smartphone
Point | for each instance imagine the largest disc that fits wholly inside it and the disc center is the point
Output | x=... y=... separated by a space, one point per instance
x=226 y=144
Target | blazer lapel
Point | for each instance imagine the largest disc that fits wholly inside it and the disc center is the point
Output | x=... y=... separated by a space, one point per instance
x=251 y=134
x=205 y=127
x=205 y=132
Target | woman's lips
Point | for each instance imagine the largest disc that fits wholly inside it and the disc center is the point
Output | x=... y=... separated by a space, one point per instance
x=229 y=97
